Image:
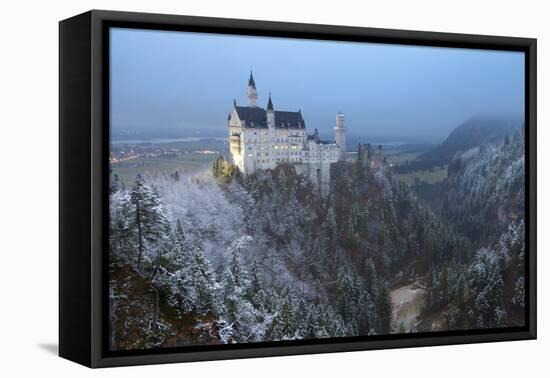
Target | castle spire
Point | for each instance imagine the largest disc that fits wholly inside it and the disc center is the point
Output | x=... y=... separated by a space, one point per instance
x=269 y=103
x=270 y=113
x=251 y=82
x=252 y=94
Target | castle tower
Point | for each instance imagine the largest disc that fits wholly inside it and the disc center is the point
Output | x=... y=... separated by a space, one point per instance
x=252 y=94
x=340 y=136
x=270 y=113
x=378 y=158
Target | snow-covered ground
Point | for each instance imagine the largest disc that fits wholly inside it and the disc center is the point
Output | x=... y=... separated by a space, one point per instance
x=407 y=303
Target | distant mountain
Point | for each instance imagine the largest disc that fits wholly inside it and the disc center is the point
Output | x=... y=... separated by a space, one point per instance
x=472 y=133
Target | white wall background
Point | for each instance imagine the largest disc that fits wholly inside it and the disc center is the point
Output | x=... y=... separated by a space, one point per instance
x=29 y=186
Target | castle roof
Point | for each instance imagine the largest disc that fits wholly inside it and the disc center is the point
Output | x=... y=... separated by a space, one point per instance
x=256 y=117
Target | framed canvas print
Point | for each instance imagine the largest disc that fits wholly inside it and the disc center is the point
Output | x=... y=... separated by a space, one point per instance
x=234 y=188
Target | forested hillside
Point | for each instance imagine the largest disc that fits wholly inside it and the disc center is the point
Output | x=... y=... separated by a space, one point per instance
x=217 y=258
x=485 y=190
x=484 y=199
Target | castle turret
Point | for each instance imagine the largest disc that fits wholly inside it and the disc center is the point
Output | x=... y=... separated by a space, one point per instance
x=270 y=113
x=316 y=135
x=252 y=94
x=340 y=136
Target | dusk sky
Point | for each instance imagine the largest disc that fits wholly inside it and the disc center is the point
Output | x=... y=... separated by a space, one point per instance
x=182 y=84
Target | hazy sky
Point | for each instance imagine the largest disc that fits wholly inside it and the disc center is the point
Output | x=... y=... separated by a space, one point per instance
x=181 y=83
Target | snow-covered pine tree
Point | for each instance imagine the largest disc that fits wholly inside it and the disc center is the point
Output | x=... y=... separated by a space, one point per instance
x=181 y=247
x=366 y=314
x=371 y=278
x=287 y=326
x=122 y=240
x=486 y=286
x=283 y=327
x=239 y=292
x=204 y=282
x=147 y=218
x=347 y=294
x=384 y=309
x=235 y=261
x=254 y=286
x=115 y=184
x=301 y=316
x=311 y=328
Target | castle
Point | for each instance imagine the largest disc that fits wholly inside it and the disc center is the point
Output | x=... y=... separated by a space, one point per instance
x=263 y=138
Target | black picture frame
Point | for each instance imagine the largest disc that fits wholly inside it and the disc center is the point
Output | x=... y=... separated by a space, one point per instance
x=83 y=181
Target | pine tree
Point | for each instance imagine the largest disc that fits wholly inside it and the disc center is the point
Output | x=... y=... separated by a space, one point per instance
x=444 y=286
x=371 y=278
x=203 y=280
x=486 y=287
x=122 y=240
x=325 y=321
x=384 y=309
x=254 y=286
x=311 y=327
x=301 y=315
x=214 y=169
x=347 y=294
x=230 y=296
x=352 y=226
x=148 y=217
x=182 y=291
x=286 y=319
x=182 y=253
x=239 y=292
x=367 y=319
x=115 y=184
x=236 y=263
x=283 y=327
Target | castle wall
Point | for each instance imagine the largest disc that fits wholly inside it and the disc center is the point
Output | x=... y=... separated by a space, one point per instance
x=318 y=173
